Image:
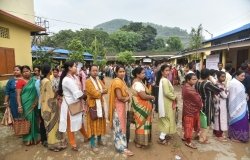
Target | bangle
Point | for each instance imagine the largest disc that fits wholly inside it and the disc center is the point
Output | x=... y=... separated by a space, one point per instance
x=5 y=103
x=20 y=107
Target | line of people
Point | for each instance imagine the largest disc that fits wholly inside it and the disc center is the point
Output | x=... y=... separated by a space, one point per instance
x=48 y=100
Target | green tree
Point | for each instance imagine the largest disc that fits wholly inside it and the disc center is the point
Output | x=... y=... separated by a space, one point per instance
x=123 y=40
x=126 y=57
x=76 y=48
x=159 y=43
x=99 y=53
x=174 y=44
x=148 y=34
x=42 y=57
x=196 y=37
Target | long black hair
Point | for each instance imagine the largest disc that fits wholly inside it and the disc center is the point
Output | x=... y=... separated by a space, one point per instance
x=64 y=73
x=136 y=71
x=46 y=69
x=159 y=73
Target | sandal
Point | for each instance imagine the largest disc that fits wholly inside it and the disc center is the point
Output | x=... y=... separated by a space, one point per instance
x=162 y=141
x=74 y=149
x=127 y=152
x=55 y=150
x=204 y=142
x=222 y=139
x=191 y=145
x=95 y=150
x=168 y=137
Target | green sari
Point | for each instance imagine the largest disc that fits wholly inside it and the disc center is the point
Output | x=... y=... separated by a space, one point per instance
x=29 y=100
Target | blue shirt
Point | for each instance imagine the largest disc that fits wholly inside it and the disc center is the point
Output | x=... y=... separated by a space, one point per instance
x=37 y=85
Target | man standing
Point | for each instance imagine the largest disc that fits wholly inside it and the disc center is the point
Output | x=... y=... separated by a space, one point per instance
x=220 y=67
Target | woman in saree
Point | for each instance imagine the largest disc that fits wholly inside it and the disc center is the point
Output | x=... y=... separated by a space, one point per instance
x=142 y=106
x=50 y=112
x=238 y=113
x=27 y=104
x=118 y=98
x=167 y=105
x=10 y=92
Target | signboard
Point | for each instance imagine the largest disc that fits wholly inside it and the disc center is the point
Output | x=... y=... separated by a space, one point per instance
x=147 y=60
x=212 y=61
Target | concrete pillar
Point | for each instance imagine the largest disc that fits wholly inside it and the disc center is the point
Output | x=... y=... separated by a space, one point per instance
x=223 y=59
x=201 y=60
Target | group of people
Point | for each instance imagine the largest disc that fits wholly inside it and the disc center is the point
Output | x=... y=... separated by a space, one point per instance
x=222 y=99
x=45 y=97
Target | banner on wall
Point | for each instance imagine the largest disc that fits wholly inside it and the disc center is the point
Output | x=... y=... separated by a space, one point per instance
x=212 y=61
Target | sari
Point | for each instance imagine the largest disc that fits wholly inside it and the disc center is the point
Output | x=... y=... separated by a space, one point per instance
x=142 y=114
x=238 y=112
x=117 y=114
x=10 y=90
x=50 y=115
x=29 y=102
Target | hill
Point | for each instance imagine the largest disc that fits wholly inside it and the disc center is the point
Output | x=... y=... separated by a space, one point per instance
x=162 y=31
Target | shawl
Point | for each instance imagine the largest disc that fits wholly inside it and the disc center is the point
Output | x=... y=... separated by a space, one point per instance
x=116 y=84
x=98 y=102
x=237 y=101
x=161 y=100
x=192 y=102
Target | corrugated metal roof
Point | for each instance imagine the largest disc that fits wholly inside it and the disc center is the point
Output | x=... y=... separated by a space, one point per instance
x=59 y=50
x=87 y=54
x=63 y=51
x=237 y=30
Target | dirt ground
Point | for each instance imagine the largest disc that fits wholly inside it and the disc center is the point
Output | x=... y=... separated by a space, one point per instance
x=11 y=147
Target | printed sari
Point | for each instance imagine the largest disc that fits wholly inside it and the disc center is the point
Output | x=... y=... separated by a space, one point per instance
x=142 y=114
x=29 y=102
x=117 y=114
x=238 y=112
x=50 y=114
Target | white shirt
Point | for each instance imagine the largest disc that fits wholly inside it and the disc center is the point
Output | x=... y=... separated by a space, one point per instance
x=71 y=92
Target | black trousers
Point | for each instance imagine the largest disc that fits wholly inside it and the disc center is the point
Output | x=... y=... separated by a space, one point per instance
x=42 y=128
x=155 y=91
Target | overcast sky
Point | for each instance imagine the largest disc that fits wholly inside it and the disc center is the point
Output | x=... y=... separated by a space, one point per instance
x=216 y=16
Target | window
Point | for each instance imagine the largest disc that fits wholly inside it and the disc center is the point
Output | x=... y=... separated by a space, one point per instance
x=7 y=60
x=4 y=32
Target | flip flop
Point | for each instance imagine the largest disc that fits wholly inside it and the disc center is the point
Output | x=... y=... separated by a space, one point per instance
x=74 y=149
x=191 y=145
x=128 y=153
x=204 y=142
x=162 y=141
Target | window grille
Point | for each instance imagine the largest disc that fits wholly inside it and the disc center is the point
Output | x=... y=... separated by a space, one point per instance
x=4 y=32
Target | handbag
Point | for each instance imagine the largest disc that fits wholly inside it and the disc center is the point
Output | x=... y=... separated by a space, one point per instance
x=93 y=113
x=22 y=126
x=203 y=120
x=74 y=108
x=130 y=115
x=7 y=118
